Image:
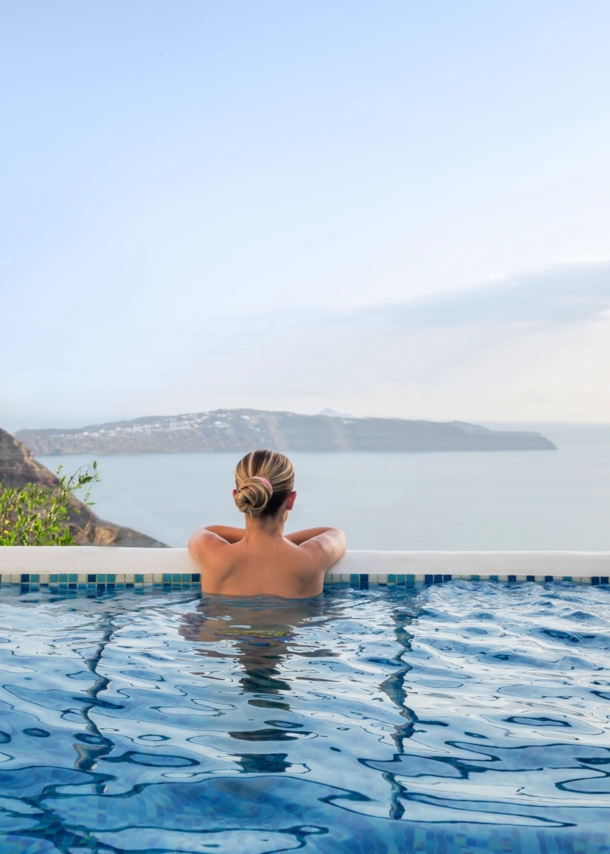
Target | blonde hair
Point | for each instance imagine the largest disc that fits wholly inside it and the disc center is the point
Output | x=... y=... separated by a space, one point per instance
x=254 y=496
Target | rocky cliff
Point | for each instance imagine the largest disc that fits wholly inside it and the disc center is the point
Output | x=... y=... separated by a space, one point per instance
x=245 y=429
x=18 y=467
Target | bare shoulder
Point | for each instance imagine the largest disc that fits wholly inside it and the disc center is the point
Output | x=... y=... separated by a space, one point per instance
x=205 y=545
x=324 y=549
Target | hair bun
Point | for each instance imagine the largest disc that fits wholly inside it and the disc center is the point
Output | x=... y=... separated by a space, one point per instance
x=263 y=481
x=252 y=495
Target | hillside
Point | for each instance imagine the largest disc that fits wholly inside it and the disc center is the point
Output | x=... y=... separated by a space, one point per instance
x=18 y=467
x=245 y=429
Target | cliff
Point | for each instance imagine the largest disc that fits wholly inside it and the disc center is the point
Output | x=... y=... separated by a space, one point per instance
x=245 y=429
x=18 y=467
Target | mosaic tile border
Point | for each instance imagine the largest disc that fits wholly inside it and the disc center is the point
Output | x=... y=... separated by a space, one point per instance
x=101 y=582
x=364 y=580
x=111 y=582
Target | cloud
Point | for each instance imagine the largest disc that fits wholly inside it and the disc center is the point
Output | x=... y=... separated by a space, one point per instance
x=536 y=345
x=563 y=293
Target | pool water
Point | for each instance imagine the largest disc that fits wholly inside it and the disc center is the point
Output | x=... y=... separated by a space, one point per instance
x=467 y=717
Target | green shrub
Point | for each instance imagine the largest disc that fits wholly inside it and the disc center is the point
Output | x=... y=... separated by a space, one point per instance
x=34 y=515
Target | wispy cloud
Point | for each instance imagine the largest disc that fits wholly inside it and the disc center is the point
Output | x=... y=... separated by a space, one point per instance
x=534 y=346
x=563 y=293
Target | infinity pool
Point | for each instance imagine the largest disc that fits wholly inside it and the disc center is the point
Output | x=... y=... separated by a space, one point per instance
x=466 y=717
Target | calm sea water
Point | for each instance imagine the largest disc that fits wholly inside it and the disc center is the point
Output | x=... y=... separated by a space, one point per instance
x=506 y=500
x=465 y=719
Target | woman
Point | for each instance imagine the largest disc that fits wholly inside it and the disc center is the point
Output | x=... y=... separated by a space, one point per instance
x=259 y=559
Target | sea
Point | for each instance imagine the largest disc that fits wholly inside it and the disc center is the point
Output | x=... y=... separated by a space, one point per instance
x=506 y=500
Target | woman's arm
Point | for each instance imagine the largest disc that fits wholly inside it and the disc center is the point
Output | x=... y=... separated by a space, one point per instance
x=325 y=545
x=299 y=537
x=231 y=535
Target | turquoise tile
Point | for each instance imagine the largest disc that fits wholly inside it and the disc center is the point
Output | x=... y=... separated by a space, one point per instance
x=53 y=578
x=73 y=577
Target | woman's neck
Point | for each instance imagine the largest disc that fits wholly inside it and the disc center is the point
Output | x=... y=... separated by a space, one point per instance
x=267 y=528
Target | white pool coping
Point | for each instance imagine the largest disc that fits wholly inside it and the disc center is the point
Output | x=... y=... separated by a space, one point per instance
x=81 y=563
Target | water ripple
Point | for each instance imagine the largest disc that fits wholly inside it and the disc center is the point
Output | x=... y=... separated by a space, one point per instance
x=465 y=718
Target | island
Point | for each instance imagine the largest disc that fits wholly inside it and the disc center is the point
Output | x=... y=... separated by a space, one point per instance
x=246 y=429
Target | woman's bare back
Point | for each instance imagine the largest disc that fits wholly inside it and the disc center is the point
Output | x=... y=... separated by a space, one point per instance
x=246 y=562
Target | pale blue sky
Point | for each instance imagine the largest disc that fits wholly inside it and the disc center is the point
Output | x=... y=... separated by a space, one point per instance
x=282 y=204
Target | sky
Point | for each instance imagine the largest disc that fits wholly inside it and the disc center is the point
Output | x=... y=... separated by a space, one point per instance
x=386 y=208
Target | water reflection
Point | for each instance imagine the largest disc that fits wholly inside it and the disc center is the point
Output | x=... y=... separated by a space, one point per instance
x=262 y=631
x=260 y=634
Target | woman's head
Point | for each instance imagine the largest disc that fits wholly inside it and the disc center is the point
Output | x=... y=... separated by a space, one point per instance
x=263 y=480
